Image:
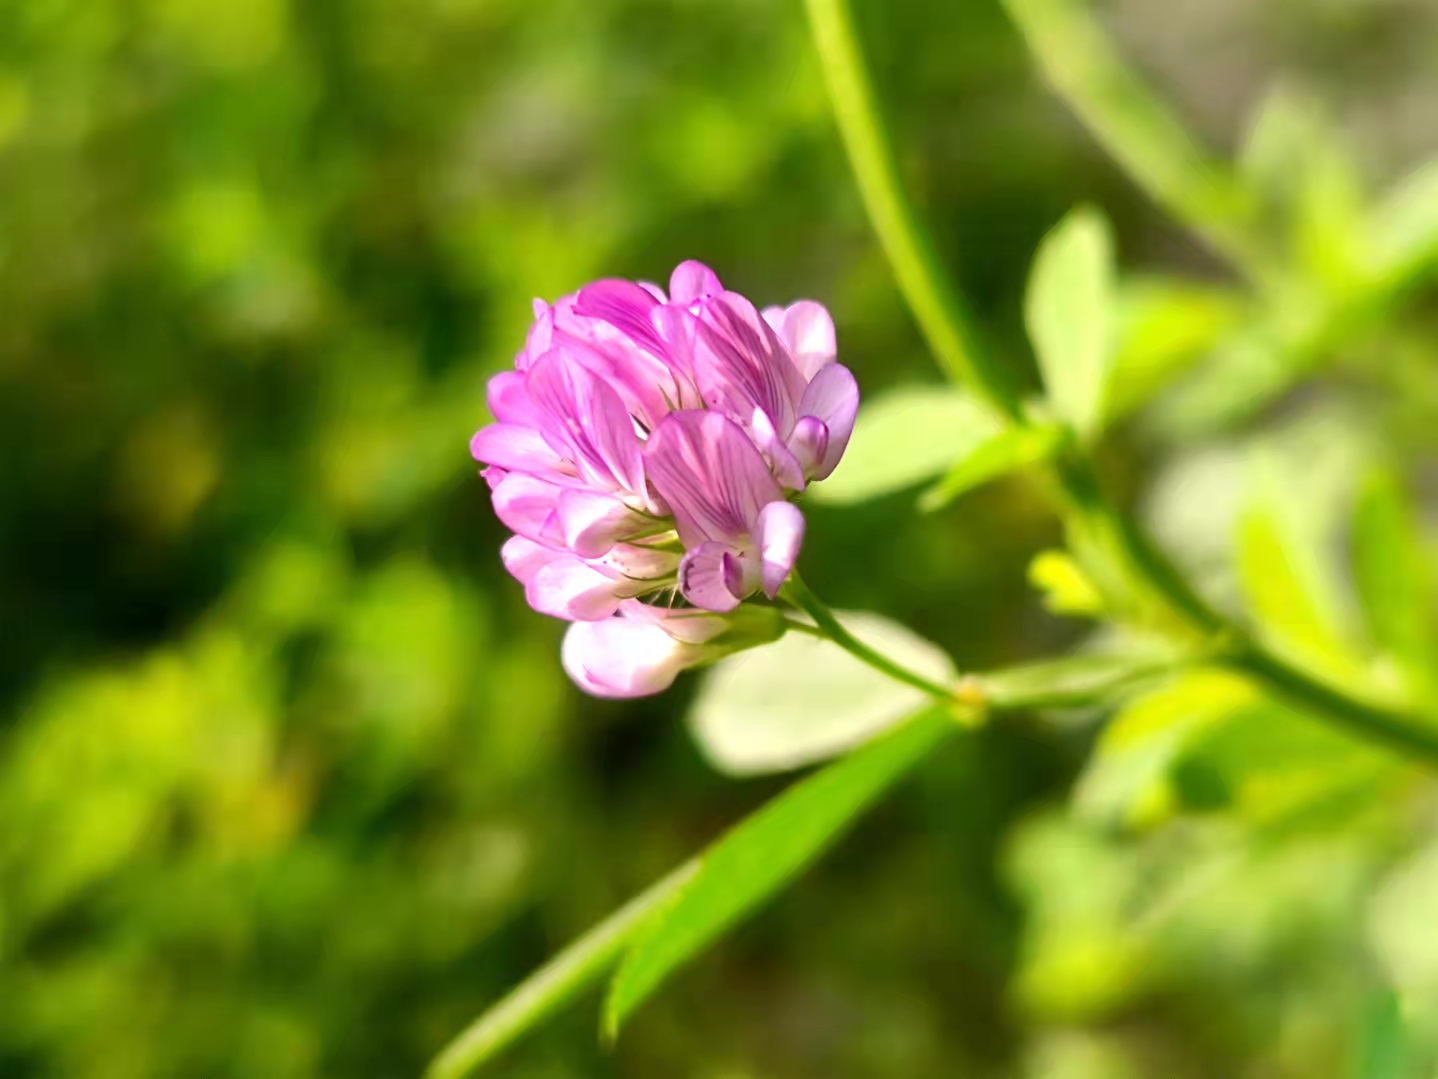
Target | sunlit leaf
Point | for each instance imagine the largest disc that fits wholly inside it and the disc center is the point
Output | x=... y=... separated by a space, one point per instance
x=1066 y=588
x=1405 y=225
x=803 y=699
x=1296 y=159
x=1068 y=310
x=553 y=984
x=1005 y=452
x=1127 y=776
x=1164 y=325
x=753 y=861
x=1290 y=587
x=1393 y=578
x=906 y=436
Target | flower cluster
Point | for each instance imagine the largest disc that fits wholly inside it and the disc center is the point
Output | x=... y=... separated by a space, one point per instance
x=644 y=452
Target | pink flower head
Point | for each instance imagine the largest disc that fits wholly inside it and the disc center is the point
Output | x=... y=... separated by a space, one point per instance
x=647 y=444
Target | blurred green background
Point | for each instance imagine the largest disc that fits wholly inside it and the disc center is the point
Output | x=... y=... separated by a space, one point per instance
x=291 y=783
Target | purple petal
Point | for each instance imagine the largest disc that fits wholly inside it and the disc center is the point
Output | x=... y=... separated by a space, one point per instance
x=809 y=443
x=778 y=535
x=832 y=398
x=740 y=364
x=692 y=281
x=514 y=448
x=711 y=475
x=786 y=466
x=593 y=522
x=625 y=306
x=584 y=416
x=708 y=577
x=619 y=658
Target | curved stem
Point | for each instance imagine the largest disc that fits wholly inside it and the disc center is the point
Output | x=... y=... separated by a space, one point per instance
x=937 y=307
x=798 y=593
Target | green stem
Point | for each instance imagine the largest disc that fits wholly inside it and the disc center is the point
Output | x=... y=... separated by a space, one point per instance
x=937 y=307
x=1140 y=133
x=1385 y=726
x=799 y=594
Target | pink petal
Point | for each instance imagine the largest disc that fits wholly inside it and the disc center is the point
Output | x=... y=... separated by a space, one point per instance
x=787 y=467
x=524 y=558
x=619 y=658
x=740 y=364
x=833 y=399
x=686 y=624
x=572 y=589
x=711 y=475
x=593 y=522
x=779 y=534
x=625 y=306
x=710 y=577
x=584 y=416
x=641 y=563
x=514 y=448
x=509 y=401
x=808 y=332
x=809 y=443
x=527 y=505
x=692 y=281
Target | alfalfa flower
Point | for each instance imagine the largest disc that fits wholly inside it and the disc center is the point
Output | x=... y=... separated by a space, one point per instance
x=645 y=450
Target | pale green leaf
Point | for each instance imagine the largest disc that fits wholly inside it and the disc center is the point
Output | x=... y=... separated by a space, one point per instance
x=1069 y=310
x=803 y=699
x=1393 y=577
x=758 y=857
x=1296 y=160
x=1165 y=325
x=1066 y=588
x=903 y=437
x=1404 y=226
x=553 y=984
x=1005 y=452
x=1127 y=776
x=1290 y=585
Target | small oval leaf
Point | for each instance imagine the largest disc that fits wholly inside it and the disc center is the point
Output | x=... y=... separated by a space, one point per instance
x=803 y=699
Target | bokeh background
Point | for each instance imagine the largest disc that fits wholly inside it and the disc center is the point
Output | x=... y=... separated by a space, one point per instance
x=291 y=783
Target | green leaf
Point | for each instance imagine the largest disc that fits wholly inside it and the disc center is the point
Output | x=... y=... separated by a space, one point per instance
x=1007 y=451
x=803 y=699
x=1066 y=588
x=556 y=982
x=1393 y=577
x=1404 y=227
x=1296 y=160
x=758 y=857
x=1126 y=779
x=1068 y=311
x=903 y=437
x=1290 y=588
x=1164 y=325
x=1382 y=1049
